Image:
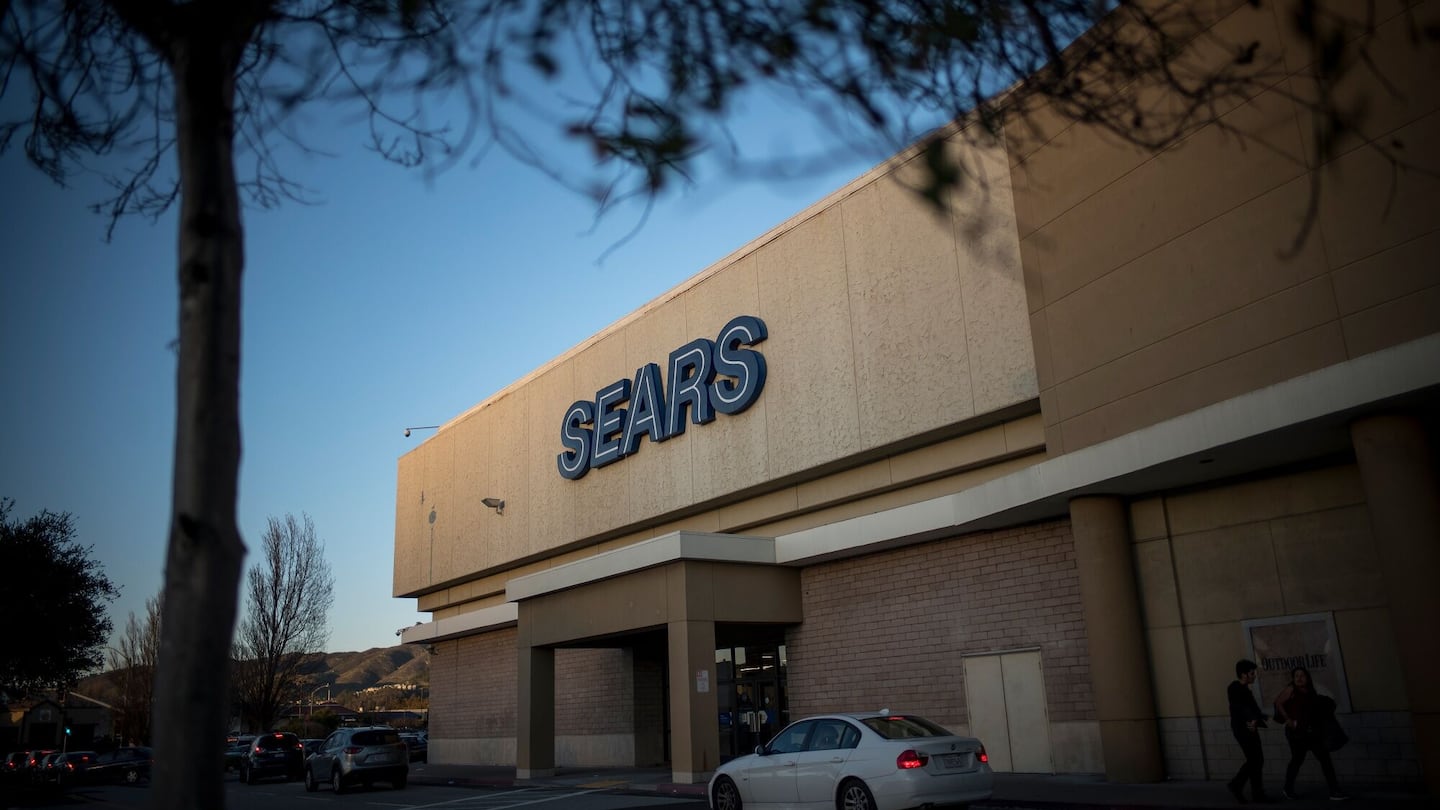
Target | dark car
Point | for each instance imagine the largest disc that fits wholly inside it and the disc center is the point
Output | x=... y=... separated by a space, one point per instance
x=235 y=752
x=34 y=764
x=129 y=766
x=15 y=765
x=419 y=746
x=71 y=767
x=44 y=771
x=278 y=753
x=359 y=756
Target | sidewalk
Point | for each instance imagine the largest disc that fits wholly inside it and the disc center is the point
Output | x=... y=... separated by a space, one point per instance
x=1011 y=790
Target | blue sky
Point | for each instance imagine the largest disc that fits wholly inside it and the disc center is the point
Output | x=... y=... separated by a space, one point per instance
x=391 y=302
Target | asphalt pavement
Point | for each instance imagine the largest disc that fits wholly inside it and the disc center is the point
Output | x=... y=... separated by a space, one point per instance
x=1043 y=792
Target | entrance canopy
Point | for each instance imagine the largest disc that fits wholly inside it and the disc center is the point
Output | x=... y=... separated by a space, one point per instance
x=684 y=584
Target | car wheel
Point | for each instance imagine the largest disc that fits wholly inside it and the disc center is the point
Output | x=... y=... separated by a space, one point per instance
x=336 y=783
x=854 y=795
x=399 y=781
x=727 y=796
x=310 y=784
x=132 y=776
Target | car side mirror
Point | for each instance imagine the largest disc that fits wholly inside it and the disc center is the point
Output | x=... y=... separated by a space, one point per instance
x=760 y=751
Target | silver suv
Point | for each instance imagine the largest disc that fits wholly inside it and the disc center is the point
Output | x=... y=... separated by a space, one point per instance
x=363 y=756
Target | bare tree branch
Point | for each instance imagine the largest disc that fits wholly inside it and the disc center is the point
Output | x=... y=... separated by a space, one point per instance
x=289 y=595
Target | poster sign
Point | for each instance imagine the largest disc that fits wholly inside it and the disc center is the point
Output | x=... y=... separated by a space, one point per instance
x=1280 y=644
x=702 y=681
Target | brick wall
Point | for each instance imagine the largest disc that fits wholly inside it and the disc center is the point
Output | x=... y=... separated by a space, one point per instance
x=594 y=693
x=473 y=686
x=474 y=689
x=890 y=629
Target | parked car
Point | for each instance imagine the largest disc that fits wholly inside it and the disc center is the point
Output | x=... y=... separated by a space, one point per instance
x=364 y=755
x=70 y=767
x=44 y=771
x=14 y=766
x=235 y=752
x=419 y=746
x=862 y=761
x=278 y=753
x=34 y=764
x=129 y=765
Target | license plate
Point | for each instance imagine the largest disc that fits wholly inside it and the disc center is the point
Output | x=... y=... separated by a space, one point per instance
x=380 y=758
x=955 y=760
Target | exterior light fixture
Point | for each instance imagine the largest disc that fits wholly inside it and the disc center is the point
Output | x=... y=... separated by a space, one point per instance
x=498 y=504
x=421 y=427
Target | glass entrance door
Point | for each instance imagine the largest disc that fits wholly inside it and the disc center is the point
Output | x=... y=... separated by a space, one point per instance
x=752 y=696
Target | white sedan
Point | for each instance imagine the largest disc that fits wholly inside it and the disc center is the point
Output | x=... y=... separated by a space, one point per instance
x=867 y=761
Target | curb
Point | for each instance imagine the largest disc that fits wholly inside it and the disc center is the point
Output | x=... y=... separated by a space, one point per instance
x=664 y=788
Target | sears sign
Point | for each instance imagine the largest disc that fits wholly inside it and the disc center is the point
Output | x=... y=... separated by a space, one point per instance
x=705 y=377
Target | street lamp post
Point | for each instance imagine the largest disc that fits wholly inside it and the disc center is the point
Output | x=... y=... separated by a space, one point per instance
x=324 y=686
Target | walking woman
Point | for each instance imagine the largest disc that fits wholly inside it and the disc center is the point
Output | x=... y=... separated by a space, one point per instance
x=1305 y=713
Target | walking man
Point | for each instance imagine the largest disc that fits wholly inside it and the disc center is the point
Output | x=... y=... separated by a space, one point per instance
x=1246 y=720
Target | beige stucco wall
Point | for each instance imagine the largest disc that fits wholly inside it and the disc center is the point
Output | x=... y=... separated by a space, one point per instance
x=1159 y=283
x=907 y=476
x=1288 y=545
x=868 y=294
x=1282 y=546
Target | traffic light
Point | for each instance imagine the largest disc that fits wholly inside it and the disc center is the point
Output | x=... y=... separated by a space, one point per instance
x=67 y=731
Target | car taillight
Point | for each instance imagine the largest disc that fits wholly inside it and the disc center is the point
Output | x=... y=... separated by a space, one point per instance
x=909 y=758
x=69 y=766
x=352 y=750
x=982 y=756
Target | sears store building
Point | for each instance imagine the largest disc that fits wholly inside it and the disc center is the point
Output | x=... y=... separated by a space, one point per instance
x=1040 y=470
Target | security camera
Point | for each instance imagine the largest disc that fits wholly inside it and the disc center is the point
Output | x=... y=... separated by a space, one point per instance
x=407 y=435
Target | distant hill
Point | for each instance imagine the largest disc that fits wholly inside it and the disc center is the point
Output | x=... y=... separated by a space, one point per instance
x=352 y=671
x=344 y=671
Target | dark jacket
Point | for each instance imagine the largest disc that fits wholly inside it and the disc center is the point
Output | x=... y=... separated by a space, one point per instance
x=1311 y=711
x=1243 y=708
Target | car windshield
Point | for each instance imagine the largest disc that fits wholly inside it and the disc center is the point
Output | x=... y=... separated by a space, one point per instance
x=376 y=737
x=901 y=727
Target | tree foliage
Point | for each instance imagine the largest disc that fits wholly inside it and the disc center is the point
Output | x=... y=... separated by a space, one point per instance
x=54 y=598
x=288 y=599
x=132 y=663
x=644 y=85
x=189 y=91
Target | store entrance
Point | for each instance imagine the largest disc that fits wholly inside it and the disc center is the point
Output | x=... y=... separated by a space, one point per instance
x=752 y=701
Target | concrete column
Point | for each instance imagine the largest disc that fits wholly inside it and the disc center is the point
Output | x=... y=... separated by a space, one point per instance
x=535 y=732
x=1402 y=489
x=1119 y=665
x=694 y=707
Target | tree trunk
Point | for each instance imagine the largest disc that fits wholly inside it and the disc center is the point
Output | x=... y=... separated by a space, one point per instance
x=202 y=567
